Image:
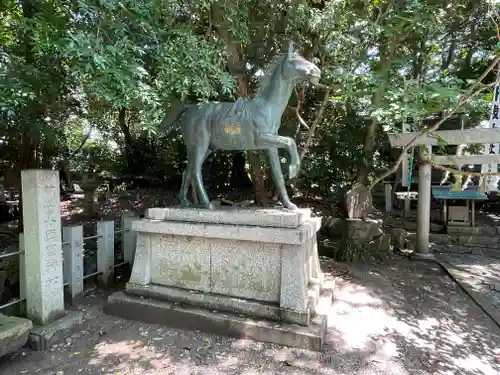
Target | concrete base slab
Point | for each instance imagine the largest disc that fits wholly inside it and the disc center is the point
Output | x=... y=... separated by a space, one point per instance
x=320 y=295
x=14 y=333
x=43 y=337
x=175 y=315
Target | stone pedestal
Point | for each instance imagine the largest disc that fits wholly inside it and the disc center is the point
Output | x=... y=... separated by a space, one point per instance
x=260 y=263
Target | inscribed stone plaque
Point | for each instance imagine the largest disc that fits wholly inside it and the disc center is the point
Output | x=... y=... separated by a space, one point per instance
x=42 y=239
x=358 y=202
x=246 y=269
x=180 y=261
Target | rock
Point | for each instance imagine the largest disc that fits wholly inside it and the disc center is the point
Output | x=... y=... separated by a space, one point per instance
x=328 y=248
x=358 y=202
x=360 y=231
x=333 y=227
x=434 y=227
x=411 y=225
x=384 y=243
x=496 y=287
x=399 y=238
x=13 y=333
x=411 y=245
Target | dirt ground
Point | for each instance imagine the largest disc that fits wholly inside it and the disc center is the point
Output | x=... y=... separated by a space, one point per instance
x=395 y=317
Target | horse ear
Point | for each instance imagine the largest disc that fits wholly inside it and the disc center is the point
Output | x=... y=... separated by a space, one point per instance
x=290 y=50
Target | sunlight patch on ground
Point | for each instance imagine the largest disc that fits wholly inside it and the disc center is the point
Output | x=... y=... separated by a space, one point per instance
x=365 y=322
x=123 y=356
x=474 y=364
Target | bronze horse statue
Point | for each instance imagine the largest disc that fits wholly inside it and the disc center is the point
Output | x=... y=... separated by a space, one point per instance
x=251 y=124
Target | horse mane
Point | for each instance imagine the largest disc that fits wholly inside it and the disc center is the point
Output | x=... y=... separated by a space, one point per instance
x=269 y=70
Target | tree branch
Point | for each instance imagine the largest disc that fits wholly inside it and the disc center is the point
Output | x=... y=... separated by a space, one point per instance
x=82 y=143
x=470 y=93
x=314 y=125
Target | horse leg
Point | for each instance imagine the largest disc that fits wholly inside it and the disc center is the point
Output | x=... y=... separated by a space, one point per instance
x=184 y=188
x=279 y=181
x=190 y=181
x=199 y=156
x=277 y=141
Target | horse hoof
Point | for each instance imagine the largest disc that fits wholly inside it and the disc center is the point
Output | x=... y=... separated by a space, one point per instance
x=292 y=207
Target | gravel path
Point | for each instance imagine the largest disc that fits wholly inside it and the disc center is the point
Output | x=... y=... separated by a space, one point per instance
x=397 y=317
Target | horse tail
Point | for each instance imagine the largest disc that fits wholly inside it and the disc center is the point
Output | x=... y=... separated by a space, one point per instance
x=172 y=116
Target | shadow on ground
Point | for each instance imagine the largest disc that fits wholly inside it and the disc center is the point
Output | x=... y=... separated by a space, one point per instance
x=395 y=317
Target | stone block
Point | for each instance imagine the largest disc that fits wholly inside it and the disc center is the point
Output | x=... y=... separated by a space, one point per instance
x=440 y=239
x=154 y=311
x=43 y=337
x=334 y=227
x=399 y=238
x=182 y=261
x=384 y=243
x=293 y=236
x=361 y=231
x=14 y=333
x=265 y=272
x=241 y=269
x=461 y=230
x=141 y=271
x=434 y=227
x=294 y=279
x=459 y=249
x=262 y=217
x=411 y=245
x=479 y=240
x=358 y=202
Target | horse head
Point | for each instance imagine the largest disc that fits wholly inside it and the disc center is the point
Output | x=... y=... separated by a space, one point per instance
x=296 y=67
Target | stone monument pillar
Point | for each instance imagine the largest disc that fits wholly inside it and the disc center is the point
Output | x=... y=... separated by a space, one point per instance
x=42 y=242
x=44 y=282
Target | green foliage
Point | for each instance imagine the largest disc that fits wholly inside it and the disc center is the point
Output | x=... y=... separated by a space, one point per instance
x=114 y=67
x=348 y=251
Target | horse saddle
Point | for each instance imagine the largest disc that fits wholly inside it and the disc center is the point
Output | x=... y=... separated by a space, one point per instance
x=234 y=116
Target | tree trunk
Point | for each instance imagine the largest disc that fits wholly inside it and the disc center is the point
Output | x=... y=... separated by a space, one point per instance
x=27 y=144
x=130 y=151
x=386 y=56
x=237 y=65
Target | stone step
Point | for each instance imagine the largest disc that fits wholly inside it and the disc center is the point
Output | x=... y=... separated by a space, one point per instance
x=155 y=311
x=462 y=244
x=325 y=300
x=487 y=231
x=313 y=292
x=454 y=239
